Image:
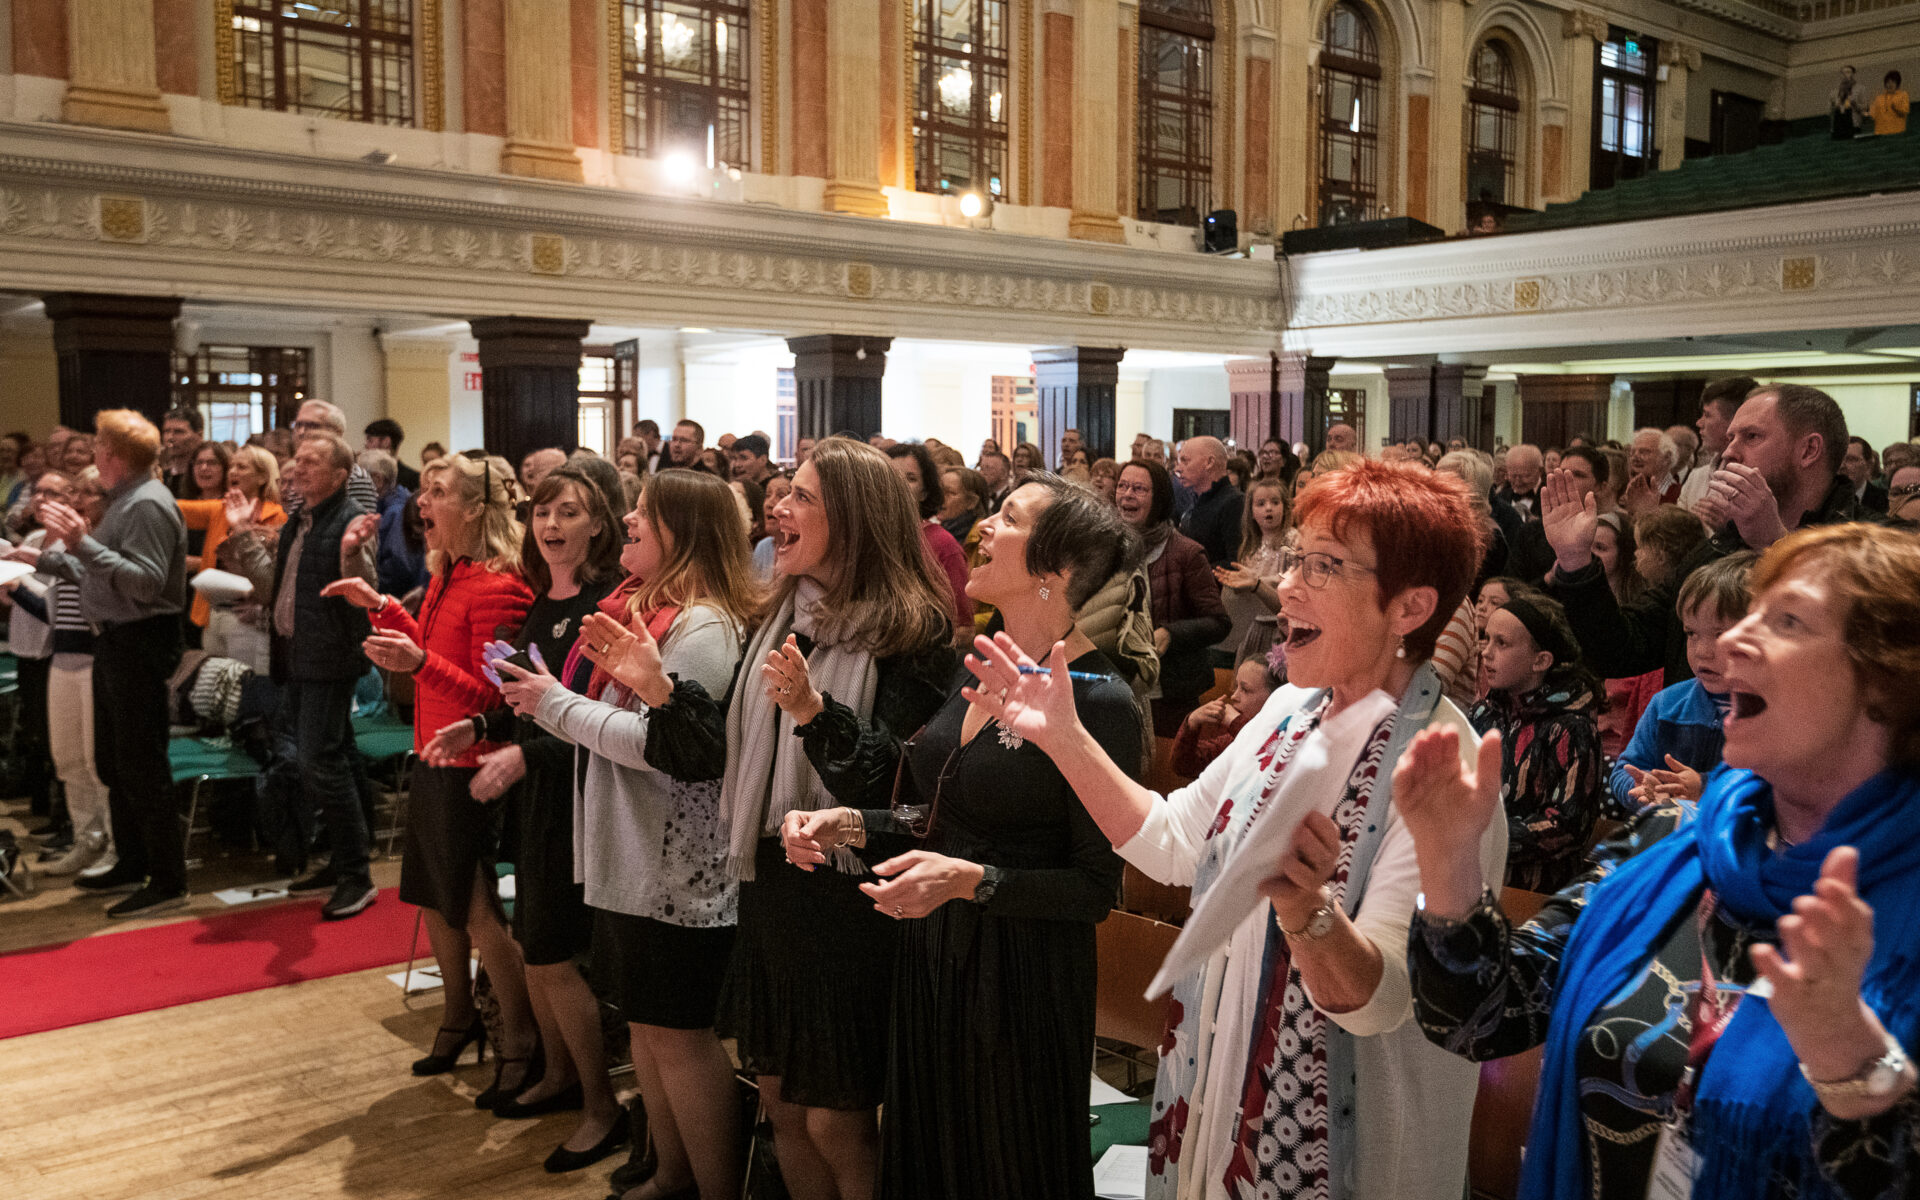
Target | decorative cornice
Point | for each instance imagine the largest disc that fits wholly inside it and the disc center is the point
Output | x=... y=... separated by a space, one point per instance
x=1680 y=54
x=1584 y=22
x=1767 y=16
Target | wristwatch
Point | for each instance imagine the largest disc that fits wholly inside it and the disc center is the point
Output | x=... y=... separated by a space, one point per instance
x=1874 y=1081
x=1319 y=922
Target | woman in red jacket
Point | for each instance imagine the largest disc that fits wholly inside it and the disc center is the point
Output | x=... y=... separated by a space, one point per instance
x=476 y=594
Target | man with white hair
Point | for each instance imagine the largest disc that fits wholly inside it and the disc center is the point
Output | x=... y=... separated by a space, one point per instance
x=1525 y=468
x=538 y=464
x=1686 y=446
x=1342 y=437
x=1215 y=516
x=1650 y=482
x=318 y=416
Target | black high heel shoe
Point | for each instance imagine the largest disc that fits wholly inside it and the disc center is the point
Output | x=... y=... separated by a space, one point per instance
x=563 y=1160
x=565 y=1100
x=534 y=1066
x=440 y=1064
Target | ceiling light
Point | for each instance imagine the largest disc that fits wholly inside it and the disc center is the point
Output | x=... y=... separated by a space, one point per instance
x=680 y=167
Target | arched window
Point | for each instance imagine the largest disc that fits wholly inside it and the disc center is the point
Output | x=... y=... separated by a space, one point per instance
x=1493 y=111
x=1176 y=110
x=960 y=96
x=1349 y=115
x=684 y=80
x=338 y=58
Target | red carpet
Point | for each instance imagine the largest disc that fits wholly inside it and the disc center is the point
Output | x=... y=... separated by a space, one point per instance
x=113 y=974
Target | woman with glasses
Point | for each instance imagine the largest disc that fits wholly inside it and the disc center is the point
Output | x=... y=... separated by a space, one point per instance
x=995 y=981
x=1184 y=597
x=1903 y=495
x=853 y=652
x=1290 y=1067
x=477 y=594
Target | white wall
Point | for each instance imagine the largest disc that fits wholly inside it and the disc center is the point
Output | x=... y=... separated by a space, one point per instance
x=1168 y=388
x=1876 y=409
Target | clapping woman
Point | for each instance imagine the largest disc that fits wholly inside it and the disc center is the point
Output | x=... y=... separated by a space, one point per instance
x=1669 y=1068
x=476 y=595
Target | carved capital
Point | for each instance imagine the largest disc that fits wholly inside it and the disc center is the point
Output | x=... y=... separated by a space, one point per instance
x=1584 y=22
x=1680 y=54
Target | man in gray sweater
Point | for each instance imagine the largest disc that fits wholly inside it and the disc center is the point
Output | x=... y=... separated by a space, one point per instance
x=132 y=575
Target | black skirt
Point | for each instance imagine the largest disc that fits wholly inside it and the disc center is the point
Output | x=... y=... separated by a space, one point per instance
x=451 y=838
x=551 y=920
x=809 y=990
x=661 y=974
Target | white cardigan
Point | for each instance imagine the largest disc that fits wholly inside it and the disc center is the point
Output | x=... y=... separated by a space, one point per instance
x=1414 y=1100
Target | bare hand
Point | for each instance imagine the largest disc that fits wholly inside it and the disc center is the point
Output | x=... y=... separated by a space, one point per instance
x=1037 y=707
x=1569 y=520
x=631 y=656
x=1740 y=494
x=1304 y=868
x=238 y=509
x=522 y=689
x=1213 y=712
x=1827 y=940
x=807 y=836
x=1678 y=780
x=1239 y=577
x=788 y=683
x=449 y=745
x=26 y=554
x=63 y=523
x=1638 y=498
x=921 y=882
x=1161 y=640
x=361 y=530
x=1446 y=808
x=355 y=591
x=498 y=771
x=391 y=651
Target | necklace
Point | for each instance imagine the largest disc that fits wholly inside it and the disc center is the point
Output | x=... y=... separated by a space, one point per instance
x=1008 y=737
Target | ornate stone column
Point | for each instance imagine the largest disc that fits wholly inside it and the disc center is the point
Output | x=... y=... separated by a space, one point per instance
x=529 y=383
x=1096 y=124
x=539 y=65
x=111 y=75
x=836 y=379
x=1293 y=116
x=1076 y=386
x=1447 y=164
x=1283 y=396
x=853 y=110
x=1436 y=403
x=114 y=352
x=1670 y=119
x=1584 y=29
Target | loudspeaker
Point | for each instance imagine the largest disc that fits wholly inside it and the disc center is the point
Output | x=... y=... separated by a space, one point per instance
x=1220 y=231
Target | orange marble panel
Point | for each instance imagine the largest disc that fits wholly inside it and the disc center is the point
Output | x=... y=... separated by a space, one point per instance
x=1257 y=192
x=1056 y=109
x=484 y=81
x=1417 y=157
x=1553 y=162
x=40 y=38
x=589 y=28
x=809 y=27
x=176 y=36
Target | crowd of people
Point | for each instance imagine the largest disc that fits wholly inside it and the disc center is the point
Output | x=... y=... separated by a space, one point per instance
x=842 y=763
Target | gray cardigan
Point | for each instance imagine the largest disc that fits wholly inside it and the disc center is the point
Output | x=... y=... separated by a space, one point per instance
x=645 y=844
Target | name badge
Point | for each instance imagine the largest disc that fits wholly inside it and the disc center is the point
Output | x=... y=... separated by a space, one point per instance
x=1674 y=1164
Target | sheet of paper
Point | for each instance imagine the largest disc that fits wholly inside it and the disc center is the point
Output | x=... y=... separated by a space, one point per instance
x=10 y=571
x=249 y=895
x=1121 y=1174
x=1319 y=764
x=1106 y=1093
x=424 y=979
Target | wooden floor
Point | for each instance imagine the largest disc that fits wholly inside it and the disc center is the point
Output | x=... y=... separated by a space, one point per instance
x=299 y=1092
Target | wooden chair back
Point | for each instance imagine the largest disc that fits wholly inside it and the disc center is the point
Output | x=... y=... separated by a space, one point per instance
x=1131 y=949
x=1503 y=1108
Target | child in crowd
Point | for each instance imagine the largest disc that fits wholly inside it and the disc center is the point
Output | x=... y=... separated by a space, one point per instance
x=1543 y=701
x=1211 y=728
x=1248 y=587
x=1678 y=739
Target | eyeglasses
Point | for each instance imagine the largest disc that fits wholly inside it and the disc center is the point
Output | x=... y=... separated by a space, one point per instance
x=1317 y=568
x=1903 y=491
x=918 y=818
x=1133 y=489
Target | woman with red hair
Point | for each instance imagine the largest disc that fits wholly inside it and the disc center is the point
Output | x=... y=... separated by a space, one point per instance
x=1290 y=1063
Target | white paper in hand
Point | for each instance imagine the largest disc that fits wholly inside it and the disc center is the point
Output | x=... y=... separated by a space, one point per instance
x=222 y=587
x=10 y=571
x=1313 y=780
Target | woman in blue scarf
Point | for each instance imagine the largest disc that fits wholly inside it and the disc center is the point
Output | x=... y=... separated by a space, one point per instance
x=1726 y=1000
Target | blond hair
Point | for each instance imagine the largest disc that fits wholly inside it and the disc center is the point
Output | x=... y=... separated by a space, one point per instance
x=485 y=489
x=267 y=465
x=132 y=438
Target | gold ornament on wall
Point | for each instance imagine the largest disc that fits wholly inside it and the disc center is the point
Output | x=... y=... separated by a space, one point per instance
x=1526 y=295
x=123 y=219
x=1799 y=274
x=548 y=254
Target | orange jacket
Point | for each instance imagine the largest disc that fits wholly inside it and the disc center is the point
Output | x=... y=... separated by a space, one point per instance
x=211 y=515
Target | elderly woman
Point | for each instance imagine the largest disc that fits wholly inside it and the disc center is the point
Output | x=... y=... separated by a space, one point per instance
x=1290 y=1066
x=1670 y=1069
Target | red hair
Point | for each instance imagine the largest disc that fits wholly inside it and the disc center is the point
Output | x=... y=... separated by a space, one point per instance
x=1424 y=532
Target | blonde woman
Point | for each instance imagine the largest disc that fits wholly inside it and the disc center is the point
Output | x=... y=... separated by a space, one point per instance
x=476 y=594
x=252 y=502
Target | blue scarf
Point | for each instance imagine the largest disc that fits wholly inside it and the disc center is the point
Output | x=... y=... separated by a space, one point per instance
x=1752 y=1106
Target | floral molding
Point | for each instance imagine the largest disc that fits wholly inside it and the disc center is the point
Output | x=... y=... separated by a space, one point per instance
x=257 y=225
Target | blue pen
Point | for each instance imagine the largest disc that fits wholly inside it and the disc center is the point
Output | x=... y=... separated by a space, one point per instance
x=1080 y=676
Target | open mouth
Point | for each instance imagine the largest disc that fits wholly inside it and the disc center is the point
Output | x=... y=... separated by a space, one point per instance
x=783 y=539
x=1747 y=705
x=1299 y=634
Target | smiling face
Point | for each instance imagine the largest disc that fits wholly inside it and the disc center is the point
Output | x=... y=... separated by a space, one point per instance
x=777 y=489
x=1133 y=495
x=1001 y=574
x=799 y=528
x=78 y=454
x=208 y=475
x=1644 y=456
x=1509 y=659
x=647 y=545
x=1797 y=703
x=1337 y=635
x=565 y=529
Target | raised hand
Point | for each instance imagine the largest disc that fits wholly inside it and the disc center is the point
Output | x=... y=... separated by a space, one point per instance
x=1638 y=498
x=1038 y=707
x=920 y=882
x=238 y=509
x=1304 y=868
x=1569 y=520
x=1446 y=808
x=1239 y=577
x=1825 y=944
x=361 y=530
x=447 y=746
x=498 y=771
x=1740 y=494
x=788 y=683
x=355 y=591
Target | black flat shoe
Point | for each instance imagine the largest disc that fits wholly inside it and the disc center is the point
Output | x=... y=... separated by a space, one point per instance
x=640 y=1166
x=440 y=1064
x=532 y=1067
x=567 y=1099
x=563 y=1160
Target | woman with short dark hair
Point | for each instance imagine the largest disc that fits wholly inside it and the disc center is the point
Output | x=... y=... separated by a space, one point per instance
x=1188 y=614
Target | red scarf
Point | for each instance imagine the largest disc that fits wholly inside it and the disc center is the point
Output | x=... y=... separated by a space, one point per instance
x=618 y=605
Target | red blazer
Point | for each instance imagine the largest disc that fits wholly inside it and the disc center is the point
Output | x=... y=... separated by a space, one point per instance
x=465 y=608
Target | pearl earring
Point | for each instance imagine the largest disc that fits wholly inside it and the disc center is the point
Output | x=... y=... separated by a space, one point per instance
x=1402 y=651
x=1046 y=593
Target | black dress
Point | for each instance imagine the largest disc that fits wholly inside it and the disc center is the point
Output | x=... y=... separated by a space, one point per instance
x=551 y=920
x=807 y=993
x=993 y=1001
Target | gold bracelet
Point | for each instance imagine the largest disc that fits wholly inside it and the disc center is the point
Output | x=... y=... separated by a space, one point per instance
x=857 y=835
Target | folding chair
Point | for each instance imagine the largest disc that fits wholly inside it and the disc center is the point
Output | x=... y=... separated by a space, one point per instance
x=383 y=738
x=197 y=762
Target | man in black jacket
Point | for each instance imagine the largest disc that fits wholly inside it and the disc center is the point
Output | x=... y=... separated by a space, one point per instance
x=317 y=660
x=1214 y=519
x=1780 y=472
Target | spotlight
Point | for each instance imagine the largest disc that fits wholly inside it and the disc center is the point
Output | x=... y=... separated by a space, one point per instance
x=970 y=205
x=680 y=167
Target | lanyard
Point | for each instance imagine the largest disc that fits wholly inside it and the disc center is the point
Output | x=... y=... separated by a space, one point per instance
x=1709 y=1015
